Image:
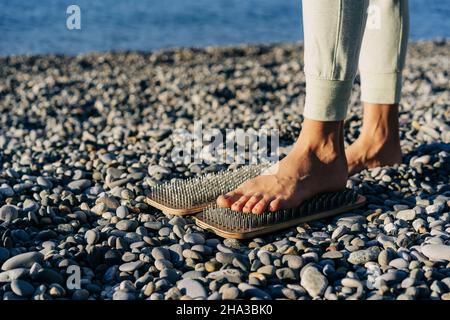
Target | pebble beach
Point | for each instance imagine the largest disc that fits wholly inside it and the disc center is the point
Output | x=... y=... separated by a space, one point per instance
x=83 y=138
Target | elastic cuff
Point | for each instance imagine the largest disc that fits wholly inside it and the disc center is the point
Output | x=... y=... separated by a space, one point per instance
x=382 y=88
x=326 y=100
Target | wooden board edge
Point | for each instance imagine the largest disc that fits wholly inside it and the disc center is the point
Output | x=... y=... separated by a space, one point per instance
x=175 y=211
x=361 y=200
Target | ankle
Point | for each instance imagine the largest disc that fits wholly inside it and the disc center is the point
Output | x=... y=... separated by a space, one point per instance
x=380 y=125
x=323 y=139
x=379 y=136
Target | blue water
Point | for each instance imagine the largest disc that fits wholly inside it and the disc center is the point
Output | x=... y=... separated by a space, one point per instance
x=39 y=26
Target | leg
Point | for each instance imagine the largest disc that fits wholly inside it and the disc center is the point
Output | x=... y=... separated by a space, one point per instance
x=317 y=163
x=381 y=62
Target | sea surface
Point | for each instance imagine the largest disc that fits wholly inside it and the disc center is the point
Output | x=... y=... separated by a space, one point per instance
x=39 y=26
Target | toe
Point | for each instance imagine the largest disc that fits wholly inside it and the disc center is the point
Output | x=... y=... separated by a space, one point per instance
x=251 y=203
x=275 y=205
x=226 y=201
x=239 y=204
x=261 y=206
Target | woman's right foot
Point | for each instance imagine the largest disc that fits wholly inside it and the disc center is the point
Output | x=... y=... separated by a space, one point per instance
x=315 y=164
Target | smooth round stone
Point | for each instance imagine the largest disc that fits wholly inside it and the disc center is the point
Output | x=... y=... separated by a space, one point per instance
x=161 y=264
x=384 y=257
x=79 y=185
x=164 y=232
x=333 y=254
x=122 y=212
x=436 y=252
x=160 y=253
x=124 y=295
x=292 y=261
x=192 y=288
x=44 y=182
x=127 y=225
x=91 y=236
x=131 y=266
x=230 y=293
x=407 y=215
x=24 y=260
x=8 y=213
x=399 y=263
x=313 y=281
x=22 y=288
x=80 y=294
x=153 y=225
x=194 y=238
x=224 y=258
x=129 y=256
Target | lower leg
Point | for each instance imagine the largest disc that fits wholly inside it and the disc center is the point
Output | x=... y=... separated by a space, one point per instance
x=379 y=141
x=333 y=31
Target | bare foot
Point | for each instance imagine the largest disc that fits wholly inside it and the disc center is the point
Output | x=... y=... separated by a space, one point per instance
x=379 y=143
x=316 y=164
x=367 y=154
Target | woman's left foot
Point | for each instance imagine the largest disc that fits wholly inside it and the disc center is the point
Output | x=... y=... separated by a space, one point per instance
x=367 y=154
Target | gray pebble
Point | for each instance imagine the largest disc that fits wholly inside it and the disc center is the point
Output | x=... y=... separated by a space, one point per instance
x=437 y=252
x=191 y=288
x=8 y=213
x=127 y=225
x=363 y=256
x=313 y=281
x=24 y=260
x=194 y=238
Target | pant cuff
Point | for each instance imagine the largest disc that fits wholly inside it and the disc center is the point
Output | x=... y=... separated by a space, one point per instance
x=326 y=100
x=381 y=87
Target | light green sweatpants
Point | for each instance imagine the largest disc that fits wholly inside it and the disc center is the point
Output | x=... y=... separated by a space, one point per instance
x=338 y=33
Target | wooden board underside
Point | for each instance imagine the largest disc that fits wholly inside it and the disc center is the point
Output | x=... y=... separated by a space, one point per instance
x=276 y=227
x=176 y=211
